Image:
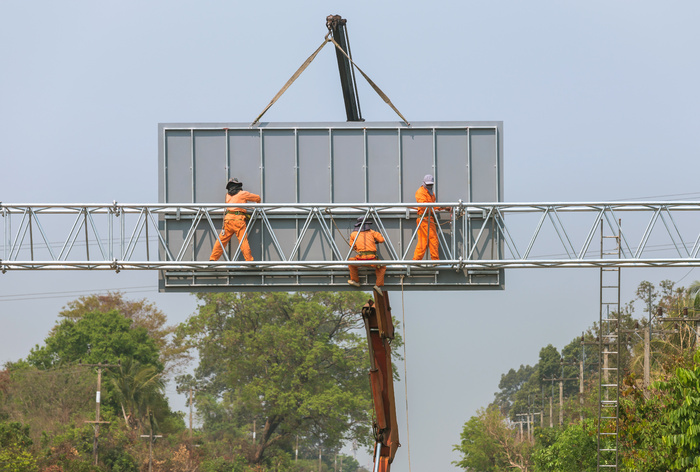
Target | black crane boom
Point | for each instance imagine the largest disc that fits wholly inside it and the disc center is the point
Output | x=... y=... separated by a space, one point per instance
x=336 y=26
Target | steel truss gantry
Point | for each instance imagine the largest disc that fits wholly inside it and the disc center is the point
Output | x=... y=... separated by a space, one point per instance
x=515 y=235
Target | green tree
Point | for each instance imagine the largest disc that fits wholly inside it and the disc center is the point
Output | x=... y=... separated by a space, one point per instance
x=572 y=449
x=95 y=338
x=490 y=444
x=480 y=452
x=143 y=314
x=643 y=423
x=683 y=416
x=14 y=448
x=139 y=390
x=510 y=384
x=694 y=294
x=293 y=364
x=532 y=393
x=111 y=338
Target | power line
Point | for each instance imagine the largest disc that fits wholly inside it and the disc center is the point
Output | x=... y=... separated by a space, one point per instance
x=67 y=294
x=686 y=275
x=649 y=248
x=688 y=196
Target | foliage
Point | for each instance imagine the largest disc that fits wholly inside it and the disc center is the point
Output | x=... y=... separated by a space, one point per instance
x=15 y=442
x=99 y=338
x=15 y=459
x=62 y=396
x=531 y=395
x=683 y=415
x=694 y=294
x=489 y=444
x=138 y=389
x=219 y=464
x=94 y=338
x=480 y=452
x=648 y=436
x=14 y=433
x=510 y=384
x=572 y=449
x=142 y=313
x=117 y=449
x=643 y=422
x=71 y=450
x=293 y=364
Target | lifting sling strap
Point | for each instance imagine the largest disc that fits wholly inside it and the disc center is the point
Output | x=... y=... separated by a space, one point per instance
x=308 y=61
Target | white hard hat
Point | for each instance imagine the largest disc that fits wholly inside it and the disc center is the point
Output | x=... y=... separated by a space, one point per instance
x=428 y=179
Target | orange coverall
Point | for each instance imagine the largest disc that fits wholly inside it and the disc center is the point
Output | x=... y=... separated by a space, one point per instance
x=427 y=230
x=234 y=223
x=366 y=247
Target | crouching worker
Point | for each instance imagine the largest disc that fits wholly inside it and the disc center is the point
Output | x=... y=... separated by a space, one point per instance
x=364 y=241
x=235 y=220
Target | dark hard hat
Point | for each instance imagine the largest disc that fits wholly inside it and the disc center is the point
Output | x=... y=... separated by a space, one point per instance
x=364 y=227
x=234 y=182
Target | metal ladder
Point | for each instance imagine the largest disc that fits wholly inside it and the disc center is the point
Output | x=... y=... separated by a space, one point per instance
x=609 y=349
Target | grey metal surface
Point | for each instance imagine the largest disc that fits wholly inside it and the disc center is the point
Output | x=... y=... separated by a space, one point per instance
x=326 y=163
x=529 y=235
x=331 y=162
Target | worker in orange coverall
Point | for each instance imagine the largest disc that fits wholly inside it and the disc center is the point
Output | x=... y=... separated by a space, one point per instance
x=364 y=240
x=427 y=229
x=234 y=220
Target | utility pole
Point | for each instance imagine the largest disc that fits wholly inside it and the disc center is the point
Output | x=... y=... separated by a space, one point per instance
x=189 y=391
x=151 y=439
x=254 y=435
x=561 y=402
x=582 y=370
x=580 y=388
x=647 y=345
x=647 y=356
x=97 y=422
x=190 y=412
x=529 y=422
x=520 y=423
x=682 y=319
x=561 y=398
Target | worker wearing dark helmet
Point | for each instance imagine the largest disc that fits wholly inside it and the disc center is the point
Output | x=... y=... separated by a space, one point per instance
x=427 y=229
x=235 y=220
x=364 y=241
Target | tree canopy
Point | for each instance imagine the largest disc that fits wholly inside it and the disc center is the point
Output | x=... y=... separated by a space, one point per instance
x=95 y=337
x=143 y=314
x=293 y=364
x=657 y=429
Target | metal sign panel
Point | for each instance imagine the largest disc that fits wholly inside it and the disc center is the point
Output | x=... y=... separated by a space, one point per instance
x=369 y=165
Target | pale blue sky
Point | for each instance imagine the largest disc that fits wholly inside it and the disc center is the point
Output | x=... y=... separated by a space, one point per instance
x=599 y=101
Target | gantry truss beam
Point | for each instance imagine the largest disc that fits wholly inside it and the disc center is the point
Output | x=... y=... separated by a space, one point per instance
x=472 y=236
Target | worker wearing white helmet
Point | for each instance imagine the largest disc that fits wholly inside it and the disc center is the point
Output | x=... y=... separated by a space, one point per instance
x=427 y=229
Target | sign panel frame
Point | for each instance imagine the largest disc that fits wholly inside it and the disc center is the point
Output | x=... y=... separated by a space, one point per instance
x=361 y=163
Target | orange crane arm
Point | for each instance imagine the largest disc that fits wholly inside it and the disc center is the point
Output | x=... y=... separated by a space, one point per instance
x=380 y=331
